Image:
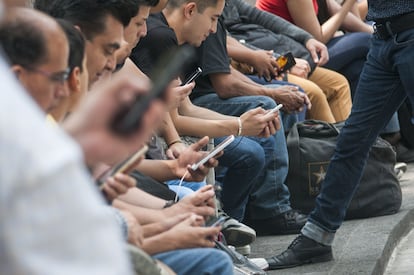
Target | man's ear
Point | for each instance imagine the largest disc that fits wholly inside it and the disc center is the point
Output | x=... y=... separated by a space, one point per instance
x=18 y=71
x=189 y=9
x=74 y=81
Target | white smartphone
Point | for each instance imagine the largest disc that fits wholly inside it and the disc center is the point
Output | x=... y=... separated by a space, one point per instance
x=214 y=152
x=275 y=109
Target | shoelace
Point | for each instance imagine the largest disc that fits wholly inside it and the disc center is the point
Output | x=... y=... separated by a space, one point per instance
x=295 y=241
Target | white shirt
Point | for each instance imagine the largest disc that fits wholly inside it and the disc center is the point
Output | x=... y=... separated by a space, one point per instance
x=52 y=220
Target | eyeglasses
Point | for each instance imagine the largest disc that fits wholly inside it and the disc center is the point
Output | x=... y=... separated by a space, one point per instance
x=59 y=77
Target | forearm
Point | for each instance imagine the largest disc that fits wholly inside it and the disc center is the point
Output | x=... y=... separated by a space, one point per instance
x=138 y=197
x=352 y=21
x=169 y=132
x=238 y=51
x=332 y=25
x=191 y=110
x=204 y=127
x=159 y=243
x=235 y=84
x=143 y=215
x=160 y=170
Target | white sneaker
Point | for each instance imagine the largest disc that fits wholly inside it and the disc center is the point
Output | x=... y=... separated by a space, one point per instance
x=260 y=262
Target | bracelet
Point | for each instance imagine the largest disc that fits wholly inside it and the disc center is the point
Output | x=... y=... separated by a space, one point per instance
x=240 y=126
x=174 y=142
x=169 y=203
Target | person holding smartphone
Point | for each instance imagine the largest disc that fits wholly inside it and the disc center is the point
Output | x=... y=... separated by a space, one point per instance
x=255 y=166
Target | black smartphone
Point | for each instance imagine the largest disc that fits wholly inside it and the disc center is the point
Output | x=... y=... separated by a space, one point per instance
x=170 y=66
x=285 y=62
x=193 y=76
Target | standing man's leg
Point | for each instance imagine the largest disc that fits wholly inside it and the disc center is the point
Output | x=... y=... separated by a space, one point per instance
x=386 y=77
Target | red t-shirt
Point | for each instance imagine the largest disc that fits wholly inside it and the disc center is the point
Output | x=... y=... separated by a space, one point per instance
x=279 y=7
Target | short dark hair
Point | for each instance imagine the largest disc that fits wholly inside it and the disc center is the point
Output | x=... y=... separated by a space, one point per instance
x=76 y=44
x=23 y=42
x=201 y=4
x=90 y=15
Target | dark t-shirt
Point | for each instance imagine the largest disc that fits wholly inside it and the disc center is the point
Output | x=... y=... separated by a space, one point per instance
x=160 y=39
x=211 y=55
x=212 y=58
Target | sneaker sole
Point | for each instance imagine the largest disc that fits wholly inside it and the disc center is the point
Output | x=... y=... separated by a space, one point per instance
x=237 y=236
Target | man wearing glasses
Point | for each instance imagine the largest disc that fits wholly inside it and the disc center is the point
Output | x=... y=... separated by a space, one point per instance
x=38 y=53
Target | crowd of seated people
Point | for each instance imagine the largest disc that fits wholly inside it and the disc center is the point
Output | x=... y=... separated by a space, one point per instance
x=71 y=67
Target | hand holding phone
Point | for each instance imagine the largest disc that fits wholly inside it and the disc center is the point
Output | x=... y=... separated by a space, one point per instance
x=214 y=152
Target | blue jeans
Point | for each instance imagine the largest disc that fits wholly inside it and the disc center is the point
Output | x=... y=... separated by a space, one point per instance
x=347 y=54
x=267 y=195
x=186 y=188
x=201 y=261
x=386 y=79
x=287 y=119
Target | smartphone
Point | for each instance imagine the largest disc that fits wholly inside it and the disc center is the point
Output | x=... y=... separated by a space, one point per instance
x=285 y=62
x=169 y=67
x=125 y=166
x=214 y=152
x=275 y=109
x=193 y=76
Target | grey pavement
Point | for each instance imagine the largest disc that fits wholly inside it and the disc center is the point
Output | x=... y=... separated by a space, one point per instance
x=361 y=246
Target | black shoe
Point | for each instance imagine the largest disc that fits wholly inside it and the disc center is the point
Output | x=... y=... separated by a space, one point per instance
x=404 y=154
x=290 y=222
x=301 y=251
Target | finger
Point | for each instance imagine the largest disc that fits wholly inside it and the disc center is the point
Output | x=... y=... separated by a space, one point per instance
x=204 y=211
x=169 y=153
x=109 y=192
x=200 y=144
x=314 y=55
x=128 y=181
x=118 y=187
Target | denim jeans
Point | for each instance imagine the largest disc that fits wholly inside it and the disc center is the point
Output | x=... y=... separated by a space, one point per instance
x=386 y=79
x=347 y=54
x=186 y=187
x=256 y=176
x=287 y=119
x=201 y=261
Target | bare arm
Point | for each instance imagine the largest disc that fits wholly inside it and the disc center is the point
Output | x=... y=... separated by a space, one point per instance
x=237 y=84
x=304 y=16
x=352 y=22
x=195 y=126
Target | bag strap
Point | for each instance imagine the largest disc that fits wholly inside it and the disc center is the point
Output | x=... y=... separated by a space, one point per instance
x=317 y=129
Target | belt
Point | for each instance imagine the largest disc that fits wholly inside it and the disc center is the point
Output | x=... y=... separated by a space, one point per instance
x=386 y=28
